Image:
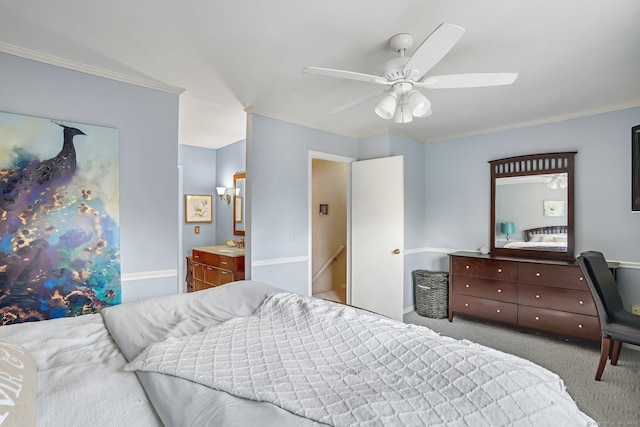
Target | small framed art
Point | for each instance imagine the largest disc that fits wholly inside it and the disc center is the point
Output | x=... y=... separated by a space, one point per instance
x=553 y=208
x=198 y=208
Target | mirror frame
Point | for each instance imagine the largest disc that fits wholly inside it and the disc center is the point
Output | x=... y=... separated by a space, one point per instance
x=535 y=164
x=236 y=177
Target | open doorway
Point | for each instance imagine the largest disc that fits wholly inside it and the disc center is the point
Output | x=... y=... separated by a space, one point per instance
x=329 y=229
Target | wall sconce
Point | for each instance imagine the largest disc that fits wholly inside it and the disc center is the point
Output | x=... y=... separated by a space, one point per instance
x=507 y=228
x=224 y=194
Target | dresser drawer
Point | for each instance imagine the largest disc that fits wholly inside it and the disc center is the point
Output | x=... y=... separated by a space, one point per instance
x=211 y=276
x=563 y=276
x=577 y=325
x=557 y=299
x=484 y=288
x=198 y=271
x=205 y=257
x=486 y=308
x=467 y=266
x=501 y=270
x=225 y=276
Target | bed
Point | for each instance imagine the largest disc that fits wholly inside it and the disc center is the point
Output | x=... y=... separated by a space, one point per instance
x=549 y=238
x=248 y=354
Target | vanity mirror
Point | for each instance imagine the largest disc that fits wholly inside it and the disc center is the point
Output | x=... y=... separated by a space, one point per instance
x=532 y=206
x=238 y=204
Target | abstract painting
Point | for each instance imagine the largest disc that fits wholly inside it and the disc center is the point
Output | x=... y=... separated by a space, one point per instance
x=59 y=218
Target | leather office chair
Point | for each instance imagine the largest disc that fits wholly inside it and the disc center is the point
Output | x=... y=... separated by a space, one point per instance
x=617 y=324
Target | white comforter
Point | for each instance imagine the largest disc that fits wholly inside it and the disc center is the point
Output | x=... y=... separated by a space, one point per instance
x=333 y=365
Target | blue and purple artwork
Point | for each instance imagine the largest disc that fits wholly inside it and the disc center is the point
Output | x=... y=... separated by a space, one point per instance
x=59 y=218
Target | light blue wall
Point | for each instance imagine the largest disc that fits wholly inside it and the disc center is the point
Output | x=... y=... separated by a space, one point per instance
x=458 y=187
x=278 y=178
x=147 y=121
x=230 y=160
x=277 y=184
x=198 y=177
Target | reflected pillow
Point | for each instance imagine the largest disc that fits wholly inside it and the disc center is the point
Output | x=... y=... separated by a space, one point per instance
x=554 y=238
x=536 y=238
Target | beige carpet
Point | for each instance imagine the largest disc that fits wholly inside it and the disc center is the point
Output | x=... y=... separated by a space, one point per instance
x=614 y=401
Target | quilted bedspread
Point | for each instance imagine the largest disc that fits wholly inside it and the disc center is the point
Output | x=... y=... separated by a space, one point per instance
x=333 y=365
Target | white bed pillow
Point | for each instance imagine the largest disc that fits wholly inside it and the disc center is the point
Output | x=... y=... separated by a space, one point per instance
x=536 y=238
x=18 y=390
x=554 y=238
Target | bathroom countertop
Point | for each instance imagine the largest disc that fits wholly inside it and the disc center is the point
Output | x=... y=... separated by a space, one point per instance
x=221 y=250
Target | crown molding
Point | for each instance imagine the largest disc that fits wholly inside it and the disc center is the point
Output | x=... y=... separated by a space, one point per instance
x=87 y=69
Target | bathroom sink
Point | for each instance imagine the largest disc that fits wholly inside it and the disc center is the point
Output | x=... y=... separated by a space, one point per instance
x=230 y=250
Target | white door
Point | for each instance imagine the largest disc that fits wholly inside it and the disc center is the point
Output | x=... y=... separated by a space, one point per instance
x=377 y=235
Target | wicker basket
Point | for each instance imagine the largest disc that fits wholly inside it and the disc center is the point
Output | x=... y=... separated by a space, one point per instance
x=432 y=293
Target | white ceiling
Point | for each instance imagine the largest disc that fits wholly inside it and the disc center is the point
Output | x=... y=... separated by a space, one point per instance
x=574 y=57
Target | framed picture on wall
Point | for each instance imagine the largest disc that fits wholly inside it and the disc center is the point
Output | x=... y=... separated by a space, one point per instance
x=635 y=165
x=198 y=208
x=553 y=208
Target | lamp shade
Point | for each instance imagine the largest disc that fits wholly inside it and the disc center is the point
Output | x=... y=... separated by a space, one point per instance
x=507 y=227
x=419 y=105
x=221 y=191
x=387 y=106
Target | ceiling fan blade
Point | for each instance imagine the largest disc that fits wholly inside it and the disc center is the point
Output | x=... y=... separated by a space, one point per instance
x=433 y=49
x=341 y=74
x=357 y=101
x=452 y=81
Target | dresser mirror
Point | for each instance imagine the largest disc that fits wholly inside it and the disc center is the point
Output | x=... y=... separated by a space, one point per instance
x=532 y=206
x=238 y=204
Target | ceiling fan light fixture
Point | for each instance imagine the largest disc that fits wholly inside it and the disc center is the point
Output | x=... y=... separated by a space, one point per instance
x=387 y=106
x=403 y=113
x=419 y=105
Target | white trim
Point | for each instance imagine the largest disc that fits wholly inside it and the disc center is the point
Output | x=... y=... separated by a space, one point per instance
x=622 y=264
x=87 y=69
x=409 y=309
x=275 y=261
x=146 y=275
x=434 y=250
x=628 y=264
x=181 y=257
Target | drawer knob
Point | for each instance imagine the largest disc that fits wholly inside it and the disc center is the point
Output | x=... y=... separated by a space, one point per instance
x=467 y=267
x=499 y=270
x=581 y=302
x=581 y=278
x=467 y=285
x=538 y=296
x=466 y=305
x=498 y=311
x=499 y=290
x=537 y=318
x=580 y=326
x=538 y=274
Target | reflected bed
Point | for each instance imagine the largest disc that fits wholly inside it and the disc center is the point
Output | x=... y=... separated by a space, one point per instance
x=549 y=238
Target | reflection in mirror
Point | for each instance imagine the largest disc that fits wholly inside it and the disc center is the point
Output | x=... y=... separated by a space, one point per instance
x=531 y=211
x=239 y=204
x=531 y=206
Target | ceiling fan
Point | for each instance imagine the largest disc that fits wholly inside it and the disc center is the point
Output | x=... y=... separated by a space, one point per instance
x=403 y=74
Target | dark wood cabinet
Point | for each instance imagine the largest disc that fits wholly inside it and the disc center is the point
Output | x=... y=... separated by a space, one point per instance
x=547 y=295
x=211 y=270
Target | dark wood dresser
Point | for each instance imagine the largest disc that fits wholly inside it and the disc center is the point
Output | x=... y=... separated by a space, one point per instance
x=547 y=295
